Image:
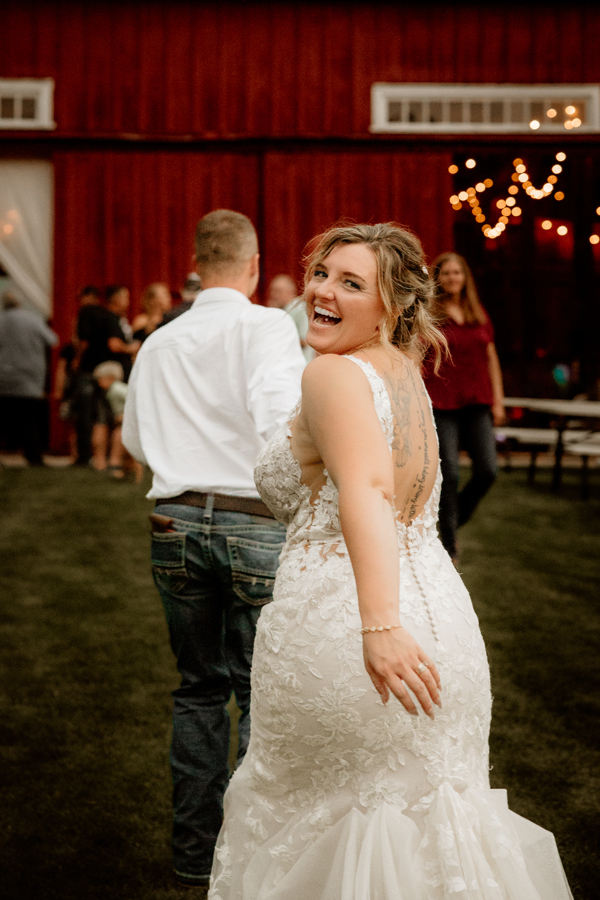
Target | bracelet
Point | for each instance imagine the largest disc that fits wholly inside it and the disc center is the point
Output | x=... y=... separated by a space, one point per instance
x=379 y=628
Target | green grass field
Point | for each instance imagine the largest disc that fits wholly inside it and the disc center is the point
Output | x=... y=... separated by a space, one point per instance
x=86 y=673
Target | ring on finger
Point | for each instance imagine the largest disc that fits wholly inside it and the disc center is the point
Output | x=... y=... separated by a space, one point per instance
x=421 y=668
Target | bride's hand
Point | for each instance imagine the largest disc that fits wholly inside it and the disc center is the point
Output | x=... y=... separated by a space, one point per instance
x=392 y=659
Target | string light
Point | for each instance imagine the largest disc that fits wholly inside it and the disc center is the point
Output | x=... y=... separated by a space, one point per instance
x=562 y=230
x=570 y=110
x=534 y=124
x=594 y=239
x=551 y=113
x=546 y=224
x=507 y=207
x=598 y=210
x=453 y=170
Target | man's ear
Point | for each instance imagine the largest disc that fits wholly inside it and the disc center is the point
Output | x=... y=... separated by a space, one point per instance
x=254 y=265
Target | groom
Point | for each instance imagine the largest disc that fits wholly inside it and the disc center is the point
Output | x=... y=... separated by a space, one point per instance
x=206 y=393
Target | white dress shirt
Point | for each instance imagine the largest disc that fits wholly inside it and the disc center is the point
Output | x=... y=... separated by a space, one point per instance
x=208 y=390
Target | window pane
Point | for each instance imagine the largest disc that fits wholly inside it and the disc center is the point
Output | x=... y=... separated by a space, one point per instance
x=496 y=112
x=476 y=112
x=28 y=108
x=456 y=112
x=7 y=107
x=415 y=112
x=435 y=111
x=394 y=111
x=517 y=112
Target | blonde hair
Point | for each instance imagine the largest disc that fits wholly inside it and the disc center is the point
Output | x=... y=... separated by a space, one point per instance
x=225 y=241
x=150 y=293
x=109 y=369
x=472 y=309
x=405 y=286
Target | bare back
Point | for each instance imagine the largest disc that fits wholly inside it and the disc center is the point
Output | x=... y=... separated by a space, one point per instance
x=412 y=439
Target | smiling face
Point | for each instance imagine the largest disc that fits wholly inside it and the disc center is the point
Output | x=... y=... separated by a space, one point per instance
x=452 y=278
x=343 y=302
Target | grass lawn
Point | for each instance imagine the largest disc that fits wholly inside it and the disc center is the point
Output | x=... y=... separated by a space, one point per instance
x=86 y=672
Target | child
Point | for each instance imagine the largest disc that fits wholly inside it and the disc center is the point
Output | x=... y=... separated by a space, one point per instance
x=107 y=432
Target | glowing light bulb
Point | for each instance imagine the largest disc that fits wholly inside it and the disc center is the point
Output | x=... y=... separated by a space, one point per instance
x=500 y=226
x=557 y=169
x=518 y=161
x=568 y=125
x=480 y=218
x=559 y=195
x=570 y=110
x=552 y=179
x=480 y=186
x=503 y=220
x=513 y=189
x=516 y=211
x=547 y=188
x=471 y=191
x=510 y=201
x=453 y=169
x=561 y=156
x=500 y=204
x=562 y=230
x=576 y=123
x=488 y=182
x=470 y=164
x=457 y=206
x=463 y=195
x=523 y=177
x=594 y=239
x=534 y=124
x=546 y=224
x=506 y=211
x=454 y=198
x=520 y=168
x=550 y=113
x=598 y=210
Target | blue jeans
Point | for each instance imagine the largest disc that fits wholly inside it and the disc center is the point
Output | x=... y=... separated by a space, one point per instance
x=471 y=428
x=214 y=573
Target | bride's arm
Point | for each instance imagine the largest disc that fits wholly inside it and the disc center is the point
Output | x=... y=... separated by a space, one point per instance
x=338 y=409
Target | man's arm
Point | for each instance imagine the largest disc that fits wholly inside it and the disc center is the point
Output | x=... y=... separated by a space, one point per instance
x=274 y=367
x=131 y=431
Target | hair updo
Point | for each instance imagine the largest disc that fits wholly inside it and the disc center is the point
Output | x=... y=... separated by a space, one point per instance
x=406 y=288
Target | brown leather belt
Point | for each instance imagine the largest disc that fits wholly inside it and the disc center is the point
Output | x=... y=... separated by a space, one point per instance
x=225 y=502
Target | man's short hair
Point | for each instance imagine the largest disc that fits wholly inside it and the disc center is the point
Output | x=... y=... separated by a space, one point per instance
x=225 y=241
x=89 y=291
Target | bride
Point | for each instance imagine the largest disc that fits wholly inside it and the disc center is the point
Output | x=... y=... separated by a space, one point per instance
x=366 y=777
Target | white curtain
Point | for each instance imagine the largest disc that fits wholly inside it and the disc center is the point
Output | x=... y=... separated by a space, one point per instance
x=26 y=228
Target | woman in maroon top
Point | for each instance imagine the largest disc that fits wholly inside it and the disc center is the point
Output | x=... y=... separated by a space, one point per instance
x=466 y=395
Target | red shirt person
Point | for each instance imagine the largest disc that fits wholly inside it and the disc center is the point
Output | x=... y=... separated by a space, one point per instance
x=466 y=394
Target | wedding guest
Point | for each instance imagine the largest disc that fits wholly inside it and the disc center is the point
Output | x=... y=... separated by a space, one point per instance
x=24 y=342
x=283 y=294
x=189 y=293
x=109 y=378
x=466 y=393
x=156 y=301
x=206 y=393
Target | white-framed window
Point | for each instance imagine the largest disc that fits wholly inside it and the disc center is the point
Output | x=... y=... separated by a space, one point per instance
x=485 y=108
x=26 y=103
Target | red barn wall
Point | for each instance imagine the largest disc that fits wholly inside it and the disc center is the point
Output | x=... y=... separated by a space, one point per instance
x=167 y=110
x=208 y=70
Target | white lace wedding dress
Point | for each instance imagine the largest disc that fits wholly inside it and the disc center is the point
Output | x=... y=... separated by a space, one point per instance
x=340 y=797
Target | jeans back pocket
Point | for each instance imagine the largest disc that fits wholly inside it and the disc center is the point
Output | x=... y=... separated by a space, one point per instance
x=253 y=568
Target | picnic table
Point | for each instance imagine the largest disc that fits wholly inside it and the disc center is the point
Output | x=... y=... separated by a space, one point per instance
x=565 y=411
